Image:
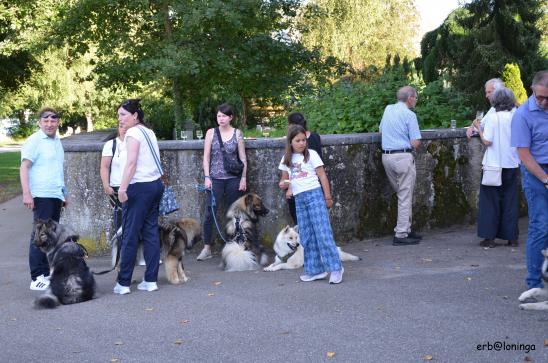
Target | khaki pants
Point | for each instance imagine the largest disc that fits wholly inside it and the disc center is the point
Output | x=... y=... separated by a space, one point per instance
x=401 y=172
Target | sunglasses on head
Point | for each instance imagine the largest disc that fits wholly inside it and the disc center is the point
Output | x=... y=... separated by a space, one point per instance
x=52 y=116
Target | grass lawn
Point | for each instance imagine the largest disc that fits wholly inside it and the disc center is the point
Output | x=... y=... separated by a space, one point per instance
x=10 y=186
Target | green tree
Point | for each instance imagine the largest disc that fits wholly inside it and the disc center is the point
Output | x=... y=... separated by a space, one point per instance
x=512 y=79
x=192 y=49
x=360 y=32
x=476 y=41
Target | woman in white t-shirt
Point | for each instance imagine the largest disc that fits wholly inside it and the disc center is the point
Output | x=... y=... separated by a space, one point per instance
x=112 y=162
x=498 y=206
x=303 y=177
x=140 y=192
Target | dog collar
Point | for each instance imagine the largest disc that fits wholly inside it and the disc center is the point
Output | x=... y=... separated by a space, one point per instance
x=286 y=257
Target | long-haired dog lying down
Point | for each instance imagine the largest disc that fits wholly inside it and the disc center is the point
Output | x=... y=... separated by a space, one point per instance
x=71 y=280
x=243 y=252
x=290 y=252
x=537 y=298
x=176 y=236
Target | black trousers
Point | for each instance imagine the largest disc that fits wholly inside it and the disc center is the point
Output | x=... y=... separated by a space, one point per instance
x=499 y=207
x=225 y=192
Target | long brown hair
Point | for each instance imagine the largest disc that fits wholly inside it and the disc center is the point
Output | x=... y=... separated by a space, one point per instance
x=293 y=131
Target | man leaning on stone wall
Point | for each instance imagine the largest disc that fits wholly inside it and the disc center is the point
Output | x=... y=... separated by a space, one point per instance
x=530 y=136
x=400 y=134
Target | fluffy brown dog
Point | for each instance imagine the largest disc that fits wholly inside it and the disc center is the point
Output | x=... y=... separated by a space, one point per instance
x=243 y=252
x=176 y=236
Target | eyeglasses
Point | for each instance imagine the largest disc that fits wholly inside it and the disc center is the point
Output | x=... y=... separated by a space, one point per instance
x=539 y=97
x=52 y=116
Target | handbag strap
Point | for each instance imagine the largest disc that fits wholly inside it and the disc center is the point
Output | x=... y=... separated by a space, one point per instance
x=152 y=151
x=499 y=146
x=113 y=154
x=220 y=139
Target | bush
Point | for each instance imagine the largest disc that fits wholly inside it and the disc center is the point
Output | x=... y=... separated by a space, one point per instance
x=22 y=131
x=356 y=106
x=511 y=76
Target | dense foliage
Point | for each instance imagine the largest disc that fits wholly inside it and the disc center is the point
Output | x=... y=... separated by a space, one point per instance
x=361 y=32
x=339 y=61
x=476 y=42
x=357 y=106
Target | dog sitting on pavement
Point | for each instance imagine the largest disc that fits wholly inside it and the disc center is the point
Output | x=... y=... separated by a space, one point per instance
x=71 y=280
x=537 y=297
x=290 y=252
x=243 y=252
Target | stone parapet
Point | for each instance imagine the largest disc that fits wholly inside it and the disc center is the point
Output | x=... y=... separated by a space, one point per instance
x=446 y=193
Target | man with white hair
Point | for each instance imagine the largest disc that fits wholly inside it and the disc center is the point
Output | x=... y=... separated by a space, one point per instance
x=400 y=135
x=530 y=136
x=490 y=87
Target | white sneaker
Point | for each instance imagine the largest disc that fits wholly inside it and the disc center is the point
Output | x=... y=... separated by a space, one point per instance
x=142 y=262
x=336 y=276
x=308 y=278
x=121 y=290
x=40 y=284
x=204 y=255
x=147 y=286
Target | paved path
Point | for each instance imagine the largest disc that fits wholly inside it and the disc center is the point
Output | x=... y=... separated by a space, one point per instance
x=439 y=299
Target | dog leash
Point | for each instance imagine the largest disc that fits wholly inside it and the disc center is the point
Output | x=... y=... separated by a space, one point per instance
x=202 y=189
x=118 y=242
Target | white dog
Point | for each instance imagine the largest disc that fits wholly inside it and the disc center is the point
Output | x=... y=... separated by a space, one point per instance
x=290 y=253
x=537 y=298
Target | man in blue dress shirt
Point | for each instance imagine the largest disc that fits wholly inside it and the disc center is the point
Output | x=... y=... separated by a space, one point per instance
x=42 y=181
x=400 y=135
x=530 y=136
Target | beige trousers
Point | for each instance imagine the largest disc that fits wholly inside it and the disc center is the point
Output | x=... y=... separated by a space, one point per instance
x=401 y=172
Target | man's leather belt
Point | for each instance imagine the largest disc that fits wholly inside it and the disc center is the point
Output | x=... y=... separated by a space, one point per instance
x=396 y=151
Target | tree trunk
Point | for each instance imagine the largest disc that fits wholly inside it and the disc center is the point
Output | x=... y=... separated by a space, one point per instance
x=89 y=121
x=245 y=107
x=175 y=81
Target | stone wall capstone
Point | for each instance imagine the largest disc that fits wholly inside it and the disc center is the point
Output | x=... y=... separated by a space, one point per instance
x=446 y=192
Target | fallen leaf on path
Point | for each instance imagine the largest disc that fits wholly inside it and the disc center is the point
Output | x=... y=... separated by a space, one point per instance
x=330 y=354
x=178 y=341
x=115 y=359
x=217 y=283
x=185 y=321
x=428 y=357
x=211 y=294
x=527 y=359
x=546 y=342
x=468 y=279
x=284 y=333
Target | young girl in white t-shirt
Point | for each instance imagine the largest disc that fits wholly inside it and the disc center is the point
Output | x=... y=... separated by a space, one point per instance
x=303 y=176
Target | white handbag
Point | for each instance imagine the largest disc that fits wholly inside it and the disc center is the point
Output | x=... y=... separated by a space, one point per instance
x=492 y=175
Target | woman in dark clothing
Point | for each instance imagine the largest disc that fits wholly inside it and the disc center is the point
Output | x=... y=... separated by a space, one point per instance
x=313 y=141
x=225 y=187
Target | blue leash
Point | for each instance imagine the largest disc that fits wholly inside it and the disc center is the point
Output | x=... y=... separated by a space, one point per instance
x=202 y=189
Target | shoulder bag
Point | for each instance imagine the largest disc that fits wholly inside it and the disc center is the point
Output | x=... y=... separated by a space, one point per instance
x=492 y=175
x=232 y=167
x=168 y=203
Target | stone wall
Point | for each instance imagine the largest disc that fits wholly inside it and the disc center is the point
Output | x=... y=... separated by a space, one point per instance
x=448 y=178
